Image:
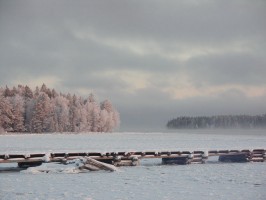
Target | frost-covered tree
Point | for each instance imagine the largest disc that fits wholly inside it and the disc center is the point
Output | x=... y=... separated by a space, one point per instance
x=105 y=121
x=96 y=118
x=111 y=116
x=8 y=92
x=73 y=114
x=18 y=109
x=92 y=114
x=50 y=121
x=41 y=113
x=6 y=115
x=28 y=94
x=45 y=110
x=221 y=121
x=43 y=88
x=61 y=113
x=76 y=116
x=54 y=94
x=36 y=92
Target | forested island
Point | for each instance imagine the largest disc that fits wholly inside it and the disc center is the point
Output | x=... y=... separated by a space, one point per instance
x=45 y=110
x=221 y=121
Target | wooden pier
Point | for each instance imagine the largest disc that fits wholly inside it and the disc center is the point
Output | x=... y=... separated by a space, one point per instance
x=133 y=158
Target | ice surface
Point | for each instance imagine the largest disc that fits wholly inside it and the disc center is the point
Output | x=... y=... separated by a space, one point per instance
x=148 y=181
x=184 y=140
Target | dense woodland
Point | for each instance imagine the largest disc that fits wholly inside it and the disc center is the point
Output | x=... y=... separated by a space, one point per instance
x=45 y=110
x=222 y=121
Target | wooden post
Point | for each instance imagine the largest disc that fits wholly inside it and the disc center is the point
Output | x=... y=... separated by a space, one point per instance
x=197 y=157
x=257 y=155
x=97 y=164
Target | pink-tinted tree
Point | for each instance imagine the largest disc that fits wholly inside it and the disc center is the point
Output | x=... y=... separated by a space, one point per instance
x=18 y=109
x=44 y=110
x=6 y=115
x=111 y=118
x=61 y=113
x=28 y=93
x=41 y=113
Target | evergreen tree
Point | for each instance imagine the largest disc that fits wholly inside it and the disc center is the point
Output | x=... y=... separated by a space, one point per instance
x=6 y=115
x=96 y=119
x=28 y=93
x=41 y=113
x=44 y=110
x=111 y=116
x=18 y=108
x=61 y=113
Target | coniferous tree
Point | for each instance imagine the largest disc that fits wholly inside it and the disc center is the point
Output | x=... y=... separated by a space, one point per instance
x=44 y=110
x=28 y=93
x=96 y=118
x=61 y=113
x=6 y=115
x=111 y=116
x=221 y=121
x=41 y=113
x=18 y=108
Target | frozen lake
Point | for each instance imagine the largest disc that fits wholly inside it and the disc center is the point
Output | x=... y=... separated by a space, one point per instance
x=151 y=180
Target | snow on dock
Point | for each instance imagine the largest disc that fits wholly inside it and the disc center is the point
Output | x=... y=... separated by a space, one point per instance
x=104 y=160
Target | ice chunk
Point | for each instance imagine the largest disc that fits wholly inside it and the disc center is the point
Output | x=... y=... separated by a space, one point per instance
x=47 y=157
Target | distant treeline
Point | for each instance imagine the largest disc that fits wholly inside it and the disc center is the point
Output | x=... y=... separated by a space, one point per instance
x=222 y=121
x=45 y=110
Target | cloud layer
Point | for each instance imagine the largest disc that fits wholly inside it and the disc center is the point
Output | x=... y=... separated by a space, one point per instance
x=154 y=60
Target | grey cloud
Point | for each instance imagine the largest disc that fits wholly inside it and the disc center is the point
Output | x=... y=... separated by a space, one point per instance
x=93 y=82
x=37 y=38
x=205 y=22
x=173 y=20
x=229 y=68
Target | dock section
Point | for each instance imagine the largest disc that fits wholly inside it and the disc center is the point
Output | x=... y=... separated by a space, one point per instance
x=133 y=158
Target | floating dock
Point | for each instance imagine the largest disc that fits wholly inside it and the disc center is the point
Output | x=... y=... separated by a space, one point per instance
x=133 y=158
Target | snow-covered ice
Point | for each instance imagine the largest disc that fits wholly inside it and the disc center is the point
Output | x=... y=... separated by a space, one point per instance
x=148 y=181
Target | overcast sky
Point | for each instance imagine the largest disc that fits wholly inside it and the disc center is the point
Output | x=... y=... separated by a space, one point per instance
x=153 y=59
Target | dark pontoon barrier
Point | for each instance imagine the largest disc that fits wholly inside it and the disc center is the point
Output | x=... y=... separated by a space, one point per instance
x=180 y=160
x=234 y=157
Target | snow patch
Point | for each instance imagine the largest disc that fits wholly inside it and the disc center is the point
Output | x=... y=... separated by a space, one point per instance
x=53 y=168
x=47 y=157
x=70 y=167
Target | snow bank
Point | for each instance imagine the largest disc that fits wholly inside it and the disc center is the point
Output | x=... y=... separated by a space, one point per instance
x=52 y=168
